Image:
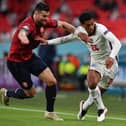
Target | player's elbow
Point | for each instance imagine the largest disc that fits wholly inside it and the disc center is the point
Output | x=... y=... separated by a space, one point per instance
x=61 y=23
x=120 y=45
x=66 y=26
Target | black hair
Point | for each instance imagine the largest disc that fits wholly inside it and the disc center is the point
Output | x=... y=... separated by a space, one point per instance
x=85 y=16
x=41 y=6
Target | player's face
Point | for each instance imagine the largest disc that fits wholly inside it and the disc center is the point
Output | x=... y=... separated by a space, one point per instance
x=41 y=17
x=89 y=26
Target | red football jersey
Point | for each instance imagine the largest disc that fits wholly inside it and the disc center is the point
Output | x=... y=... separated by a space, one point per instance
x=20 y=52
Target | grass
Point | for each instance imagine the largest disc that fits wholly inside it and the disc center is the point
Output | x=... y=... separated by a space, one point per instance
x=30 y=112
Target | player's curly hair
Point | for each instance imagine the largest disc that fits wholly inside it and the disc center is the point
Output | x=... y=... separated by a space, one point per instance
x=85 y=16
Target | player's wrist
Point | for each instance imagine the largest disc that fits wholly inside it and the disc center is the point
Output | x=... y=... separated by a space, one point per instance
x=112 y=56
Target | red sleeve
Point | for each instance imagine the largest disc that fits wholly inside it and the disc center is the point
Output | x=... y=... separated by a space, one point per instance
x=27 y=25
x=51 y=23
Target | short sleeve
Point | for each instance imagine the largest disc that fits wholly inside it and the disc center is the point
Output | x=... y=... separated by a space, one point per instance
x=27 y=27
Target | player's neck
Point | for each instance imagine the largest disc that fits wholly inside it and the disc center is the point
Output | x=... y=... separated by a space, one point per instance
x=93 y=33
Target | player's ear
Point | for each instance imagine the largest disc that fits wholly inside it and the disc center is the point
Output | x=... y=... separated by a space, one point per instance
x=35 y=12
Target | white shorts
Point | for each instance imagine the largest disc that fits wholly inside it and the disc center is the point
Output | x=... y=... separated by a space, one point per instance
x=104 y=72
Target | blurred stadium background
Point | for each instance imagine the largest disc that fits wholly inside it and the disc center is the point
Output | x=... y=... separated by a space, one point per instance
x=69 y=62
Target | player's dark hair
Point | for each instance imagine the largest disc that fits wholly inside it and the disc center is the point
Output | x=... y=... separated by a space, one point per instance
x=85 y=16
x=41 y=6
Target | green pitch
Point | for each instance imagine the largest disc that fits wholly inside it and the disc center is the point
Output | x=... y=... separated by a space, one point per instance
x=30 y=112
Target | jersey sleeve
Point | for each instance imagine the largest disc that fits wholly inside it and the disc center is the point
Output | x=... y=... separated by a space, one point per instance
x=51 y=23
x=103 y=30
x=116 y=45
x=27 y=27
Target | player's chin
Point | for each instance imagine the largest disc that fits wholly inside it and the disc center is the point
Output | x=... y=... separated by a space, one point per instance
x=43 y=23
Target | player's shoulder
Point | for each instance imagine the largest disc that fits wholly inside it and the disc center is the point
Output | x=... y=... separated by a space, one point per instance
x=81 y=29
x=27 y=20
x=27 y=23
x=101 y=27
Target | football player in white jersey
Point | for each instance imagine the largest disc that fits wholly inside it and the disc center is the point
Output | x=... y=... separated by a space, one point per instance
x=104 y=47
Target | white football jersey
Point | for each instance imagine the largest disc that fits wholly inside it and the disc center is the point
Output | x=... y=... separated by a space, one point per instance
x=101 y=44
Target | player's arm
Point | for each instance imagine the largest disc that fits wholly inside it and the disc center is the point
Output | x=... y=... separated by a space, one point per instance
x=22 y=35
x=76 y=33
x=68 y=38
x=66 y=26
x=70 y=28
x=116 y=45
x=61 y=40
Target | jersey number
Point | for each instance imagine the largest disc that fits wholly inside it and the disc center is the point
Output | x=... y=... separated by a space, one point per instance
x=94 y=48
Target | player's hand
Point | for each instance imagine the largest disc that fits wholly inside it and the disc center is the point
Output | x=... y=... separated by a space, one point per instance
x=109 y=62
x=84 y=37
x=42 y=40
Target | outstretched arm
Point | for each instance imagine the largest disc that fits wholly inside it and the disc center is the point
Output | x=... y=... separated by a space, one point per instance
x=63 y=39
x=66 y=26
x=70 y=28
x=59 y=40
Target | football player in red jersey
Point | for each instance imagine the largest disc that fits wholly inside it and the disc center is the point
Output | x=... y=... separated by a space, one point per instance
x=22 y=62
